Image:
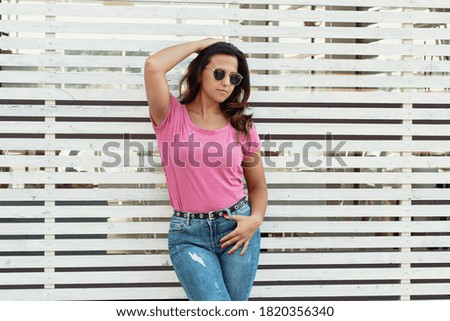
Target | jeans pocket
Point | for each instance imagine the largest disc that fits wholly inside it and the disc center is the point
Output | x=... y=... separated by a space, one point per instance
x=177 y=225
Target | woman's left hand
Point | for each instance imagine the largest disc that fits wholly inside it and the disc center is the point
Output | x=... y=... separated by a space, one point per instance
x=246 y=227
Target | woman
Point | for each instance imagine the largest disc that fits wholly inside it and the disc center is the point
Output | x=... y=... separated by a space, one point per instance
x=207 y=144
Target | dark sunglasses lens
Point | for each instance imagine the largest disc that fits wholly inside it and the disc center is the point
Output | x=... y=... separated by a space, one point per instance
x=235 y=79
x=219 y=74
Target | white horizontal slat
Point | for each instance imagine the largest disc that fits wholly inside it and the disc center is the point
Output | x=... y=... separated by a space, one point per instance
x=120 y=161
x=80 y=261
x=349 y=290
x=267 y=259
x=261 y=48
x=356 y=3
x=84 y=228
x=362 y=178
x=372 y=164
x=257 y=96
x=367 y=65
x=151 y=293
x=108 y=194
x=146 y=244
x=363 y=112
x=86 y=162
x=76 y=111
x=346 y=274
x=84 y=245
x=122 y=211
x=98 y=61
x=71 y=77
x=353 y=194
x=192 y=12
x=115 y=78
x=305 y=194
x=208 y=30
x=290 y=146
x=294 y=160
x=352 y=258
x=147 y=212
x=156 y=293
x=83 y=178
x=89 y=278
x=132 y=228
x=349 y=211
x=263 y=128
x=365 y=242
x=262 y=113
x=354 y=227
x=351 y=81
x=261 y=276
x=272 y=178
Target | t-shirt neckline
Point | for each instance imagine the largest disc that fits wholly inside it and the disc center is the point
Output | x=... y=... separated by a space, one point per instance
x=206 y=130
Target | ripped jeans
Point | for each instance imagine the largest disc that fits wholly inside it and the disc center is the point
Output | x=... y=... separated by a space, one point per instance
x=207 y=272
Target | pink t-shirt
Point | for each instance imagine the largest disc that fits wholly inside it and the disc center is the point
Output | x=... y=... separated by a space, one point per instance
x=202 y=166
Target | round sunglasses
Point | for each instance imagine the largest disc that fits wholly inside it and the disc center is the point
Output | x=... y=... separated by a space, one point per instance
x=219 y=74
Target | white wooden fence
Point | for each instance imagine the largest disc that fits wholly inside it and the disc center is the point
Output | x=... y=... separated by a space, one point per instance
x=351 y=99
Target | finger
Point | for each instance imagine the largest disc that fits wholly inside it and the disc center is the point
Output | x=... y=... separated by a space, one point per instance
x=228 y=236
x=231 y=217
x=229 y=242
x=236 y=218
x=245 y=247
x=235 y=247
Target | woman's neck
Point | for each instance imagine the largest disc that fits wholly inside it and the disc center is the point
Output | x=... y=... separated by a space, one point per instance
x=204 y=106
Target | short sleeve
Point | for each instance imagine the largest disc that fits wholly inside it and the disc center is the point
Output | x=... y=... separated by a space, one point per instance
x=172 y=118
x=252 y=143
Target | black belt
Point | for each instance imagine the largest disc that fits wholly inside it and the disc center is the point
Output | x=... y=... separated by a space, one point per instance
x=213 y=214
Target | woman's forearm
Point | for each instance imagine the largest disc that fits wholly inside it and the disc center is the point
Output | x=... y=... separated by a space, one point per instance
x=167 y=58
x=258 y=202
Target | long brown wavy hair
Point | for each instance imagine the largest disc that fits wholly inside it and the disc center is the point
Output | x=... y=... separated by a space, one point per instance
x=235 y=105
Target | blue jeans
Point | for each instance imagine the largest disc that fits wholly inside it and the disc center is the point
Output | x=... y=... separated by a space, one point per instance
x=207 y=272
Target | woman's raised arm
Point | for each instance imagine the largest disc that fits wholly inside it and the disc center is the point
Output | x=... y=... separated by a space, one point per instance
x=156 y=67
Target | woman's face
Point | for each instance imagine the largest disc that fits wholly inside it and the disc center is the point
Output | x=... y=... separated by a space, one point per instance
x=218 y=90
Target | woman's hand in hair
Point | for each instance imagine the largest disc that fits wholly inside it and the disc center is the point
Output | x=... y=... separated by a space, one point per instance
x=205 y=43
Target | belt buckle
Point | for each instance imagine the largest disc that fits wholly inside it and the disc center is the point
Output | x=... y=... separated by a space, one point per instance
x=211 y=215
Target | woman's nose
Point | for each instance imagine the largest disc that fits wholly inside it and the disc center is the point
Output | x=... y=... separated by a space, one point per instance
x=226 y=80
